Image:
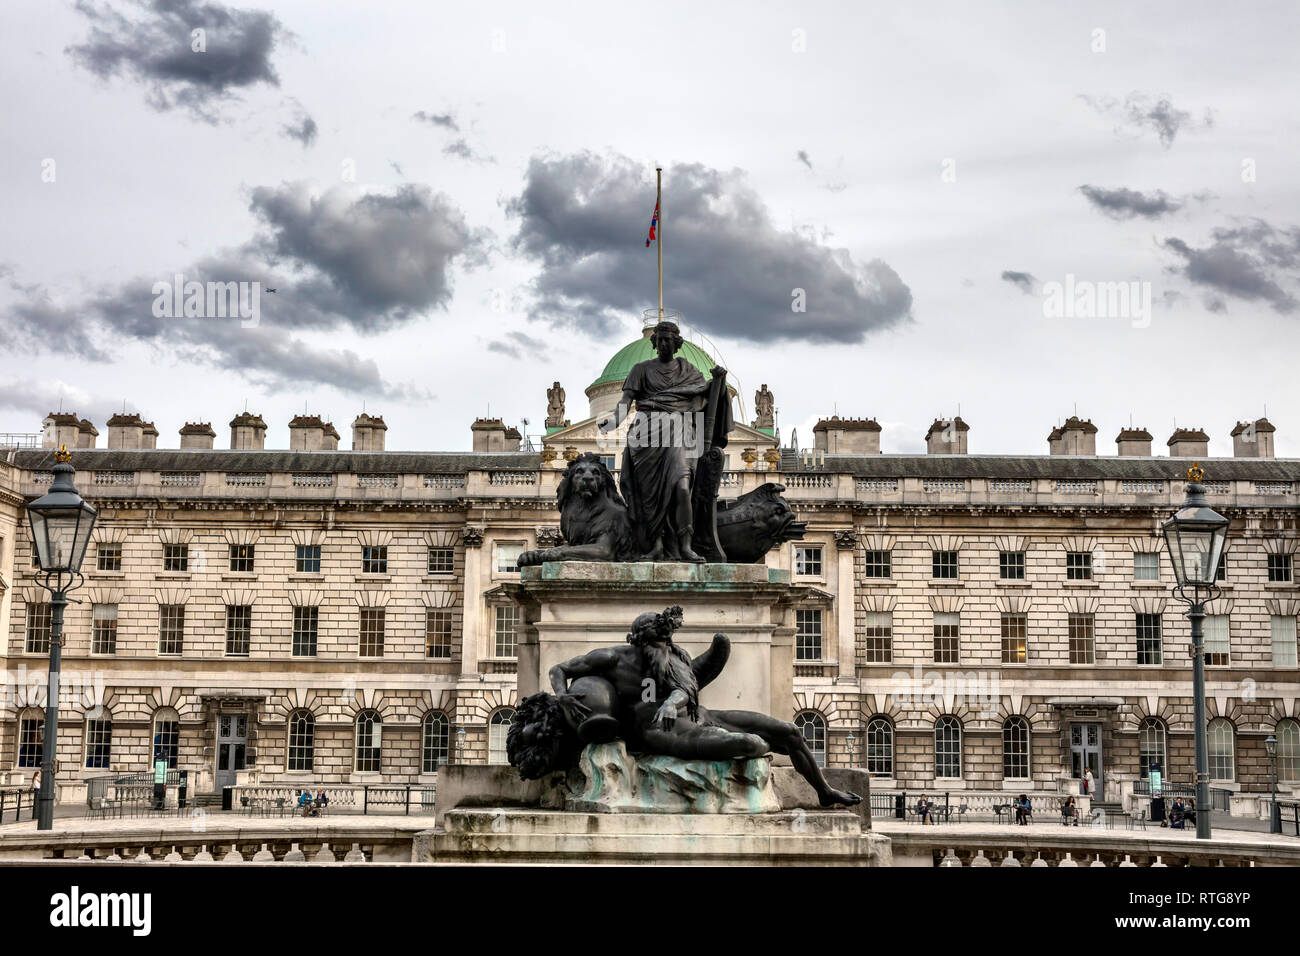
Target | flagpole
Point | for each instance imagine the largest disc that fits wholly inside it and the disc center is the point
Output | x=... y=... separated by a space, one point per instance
x=659 y=233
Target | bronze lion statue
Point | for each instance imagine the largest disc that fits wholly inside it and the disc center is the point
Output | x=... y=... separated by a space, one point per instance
x=593 y=517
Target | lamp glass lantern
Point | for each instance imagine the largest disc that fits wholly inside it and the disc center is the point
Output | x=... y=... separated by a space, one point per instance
x=61 y=523
x=1194 y=538
x=1270 y=745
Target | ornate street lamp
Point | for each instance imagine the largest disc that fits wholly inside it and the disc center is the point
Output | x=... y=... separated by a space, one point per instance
x=1275 y=812
x=61 y=523
x=461 y=736
x=1194 y=538
x=852 y=741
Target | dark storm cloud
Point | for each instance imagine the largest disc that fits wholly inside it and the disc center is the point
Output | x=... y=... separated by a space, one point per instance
x=1124 y=203
x=584 y=217
x=341 y=259
x=1248 y=261
x=445 y=120
x=518 y=345
x=1023 y=281
x=1143 y=112
x=303 y=129
x=154 y=43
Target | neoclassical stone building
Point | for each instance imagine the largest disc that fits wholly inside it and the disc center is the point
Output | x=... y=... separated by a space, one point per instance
x=972 y=622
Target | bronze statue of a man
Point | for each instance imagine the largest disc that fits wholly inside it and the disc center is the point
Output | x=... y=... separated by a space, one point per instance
x=647 y=692
x=664 y=444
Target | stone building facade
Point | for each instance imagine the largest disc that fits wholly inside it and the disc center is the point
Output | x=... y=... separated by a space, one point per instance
x=319 y=616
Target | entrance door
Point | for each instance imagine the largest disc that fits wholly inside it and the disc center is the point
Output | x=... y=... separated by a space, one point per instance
x=232 y=741
x=1085 y=753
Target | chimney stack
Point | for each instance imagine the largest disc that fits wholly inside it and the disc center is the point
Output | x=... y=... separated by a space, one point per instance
x=1253 y=439
x=149 y=436
x=1078 y=436
x=309 y=433
x=1134 y=442
x=489 y=434
x=197 y=435
x=1189 y=443
x=847 y=436
x=126 y=432
x=86 y=434
x=368 y=433
x=946 y=436
x=60 y=428
x=247 y=432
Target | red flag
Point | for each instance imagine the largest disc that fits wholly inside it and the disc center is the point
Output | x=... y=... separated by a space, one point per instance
x=654 y=223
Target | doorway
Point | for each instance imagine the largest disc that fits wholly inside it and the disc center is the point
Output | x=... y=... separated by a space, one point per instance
x=232 y=745
x=1085 y=754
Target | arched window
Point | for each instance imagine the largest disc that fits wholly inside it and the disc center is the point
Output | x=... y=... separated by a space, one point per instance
x=99 y=743
x=166 y=736
x=31 y=736
x=1151 y=747
x=1015 y=749
x=813 y=727
x=369 y=742
x=1288 y=751
x=498 y=727
x=947 y=747
x=302 y=741
x=1222 y=750
x=880 y=747
x=435 y=741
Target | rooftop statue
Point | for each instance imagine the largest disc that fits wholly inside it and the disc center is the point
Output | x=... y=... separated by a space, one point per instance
x=647 y=693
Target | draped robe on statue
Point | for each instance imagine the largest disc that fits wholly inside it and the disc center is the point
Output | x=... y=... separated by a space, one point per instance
x=653 y=466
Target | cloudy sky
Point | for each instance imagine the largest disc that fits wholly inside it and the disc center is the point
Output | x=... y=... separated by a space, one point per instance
x=869 y=207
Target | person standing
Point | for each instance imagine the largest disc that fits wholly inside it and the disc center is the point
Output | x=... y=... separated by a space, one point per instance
x=1089 y=784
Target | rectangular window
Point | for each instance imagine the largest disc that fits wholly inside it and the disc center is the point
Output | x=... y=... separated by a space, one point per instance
x=1015 y=637
x=103 y=629
x=442 y=560
x=437 y=634
x=608 y=462
x=374 y=559
x=879 y=638
x=239 y=629
x=1146 y=566
x=371 y=638
x=305 y=623
x=241 y=558
x=505 y=630
x=171 y=628
x=39 y=621
x=508 y=557
x=1284 y=640
x=99 y=744
x=877 y=565
x=307 y=559
x=947 y=638
x=1218 y=644
x=31 y=740
x=807 y=561
x=1078 y=566
x=1011 y=565
x=808 y=634
x=1279 y=568
x=1149 y=646
x=1221 y=572
x=108 y=556
x=1082 y=643
x=176 y=557
x=944 y=564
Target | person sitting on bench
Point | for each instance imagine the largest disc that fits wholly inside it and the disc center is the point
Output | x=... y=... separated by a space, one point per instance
x=923 y=810
x=1070 y=812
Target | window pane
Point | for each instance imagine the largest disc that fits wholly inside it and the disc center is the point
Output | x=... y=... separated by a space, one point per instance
x=498 y=728
x=307 y=559
x=171 y=628
x=1146 y=566
x=99 y=744
x=441 y=560
x=1151 y=747
x=1015 y=628
x=944 y=564
x=103 y=634
x=1081 y=639
x=947 y=638
x=1149 y=649
x=436 y=740
x=1015 y=748
x=508 y=557
x=808 y=634
x=1078 y=566
x=1011 y=565
x=813 y=728
x=374 y=560
x=239 y=629
x=880 y=748
x=807 y=561
x=1284 y=640
x=437 y=633
x=878 y=638
x=241 y=557
x=39 y=622
x=302 y=740
x=877 y=564
x=947 y=748
x=1218 y=647
x=505 y=631
x=371 y=638
x=306 y=621
x=1288 y=751
x=1221 y=745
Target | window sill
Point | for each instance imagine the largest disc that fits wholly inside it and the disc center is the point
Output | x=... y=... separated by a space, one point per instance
x=172 y=576
x=947 y=583
x=878 y=582
x=364 y=578
x=809 y=579
x=101 y=574
x=307 y=576
x=1081 y=584
x=1012 y=583
x=444 y=578
x=1152 y=585
x=239 y=576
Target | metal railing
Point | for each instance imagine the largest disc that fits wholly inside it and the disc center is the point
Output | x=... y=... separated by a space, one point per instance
x=132 y=791
x=13 y=800
x=368 y=798
x=1220 y=799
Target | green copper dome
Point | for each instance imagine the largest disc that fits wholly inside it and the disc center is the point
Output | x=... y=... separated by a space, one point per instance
x=639 y=351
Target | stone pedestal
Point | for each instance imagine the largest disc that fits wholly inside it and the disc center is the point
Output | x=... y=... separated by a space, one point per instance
x=573 y=607
x=524 y=835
